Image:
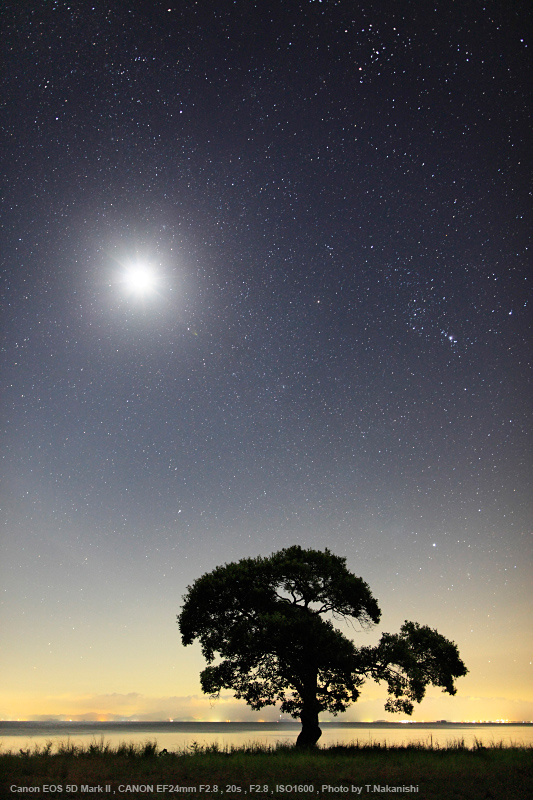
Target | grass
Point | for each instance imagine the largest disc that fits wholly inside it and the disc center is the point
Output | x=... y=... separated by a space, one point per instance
x=454 y=772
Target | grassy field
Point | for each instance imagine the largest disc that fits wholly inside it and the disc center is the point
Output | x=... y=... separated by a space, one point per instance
x=429 y=773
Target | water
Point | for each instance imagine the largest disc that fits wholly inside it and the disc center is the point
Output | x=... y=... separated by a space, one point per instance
x=180 y=735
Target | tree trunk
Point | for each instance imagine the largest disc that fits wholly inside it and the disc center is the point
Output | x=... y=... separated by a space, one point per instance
x=310 y=733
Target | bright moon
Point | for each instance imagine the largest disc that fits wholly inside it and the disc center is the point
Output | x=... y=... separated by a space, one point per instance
x=140 y=279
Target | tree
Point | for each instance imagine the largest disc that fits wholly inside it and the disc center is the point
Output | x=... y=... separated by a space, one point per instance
x=268 y=620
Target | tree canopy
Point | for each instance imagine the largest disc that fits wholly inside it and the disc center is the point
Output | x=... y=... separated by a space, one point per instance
x=267 y=622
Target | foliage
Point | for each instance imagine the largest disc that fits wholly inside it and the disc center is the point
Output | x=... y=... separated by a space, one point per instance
x=411 y=660
x=264 y=620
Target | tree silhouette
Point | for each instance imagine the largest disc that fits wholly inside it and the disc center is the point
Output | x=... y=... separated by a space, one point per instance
x=267 y=622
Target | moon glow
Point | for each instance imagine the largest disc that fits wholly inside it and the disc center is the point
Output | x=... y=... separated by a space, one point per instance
x=140 y=280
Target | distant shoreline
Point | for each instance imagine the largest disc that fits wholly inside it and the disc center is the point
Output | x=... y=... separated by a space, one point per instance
x=175 y=725
x=336 y=723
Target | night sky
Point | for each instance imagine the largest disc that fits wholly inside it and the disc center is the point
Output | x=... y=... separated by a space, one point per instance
x=265 y=281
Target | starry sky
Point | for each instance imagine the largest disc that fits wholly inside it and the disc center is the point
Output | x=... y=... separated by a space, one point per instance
x=327 y=203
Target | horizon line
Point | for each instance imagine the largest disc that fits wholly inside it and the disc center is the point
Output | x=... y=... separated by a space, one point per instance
x=131 y=720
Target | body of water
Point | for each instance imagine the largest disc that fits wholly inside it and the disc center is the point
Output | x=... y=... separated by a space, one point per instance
x=180 y=735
